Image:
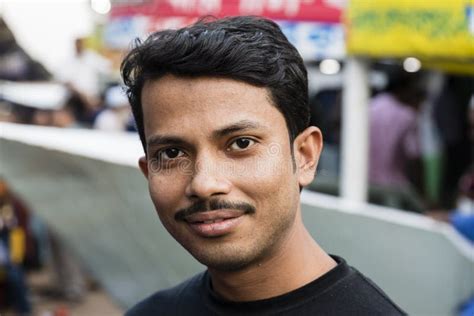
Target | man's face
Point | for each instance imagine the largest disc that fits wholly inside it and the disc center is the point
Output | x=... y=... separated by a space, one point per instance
x=220 y=168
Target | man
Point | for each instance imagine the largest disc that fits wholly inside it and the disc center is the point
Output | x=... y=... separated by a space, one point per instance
x=395 y=153
x=222 y=111
x=394 y=146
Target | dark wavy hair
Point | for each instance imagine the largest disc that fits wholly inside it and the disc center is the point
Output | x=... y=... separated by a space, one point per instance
x=245 y=48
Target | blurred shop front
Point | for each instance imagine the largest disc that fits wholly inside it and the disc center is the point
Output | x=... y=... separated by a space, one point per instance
x=314 y=27
x=436 y=39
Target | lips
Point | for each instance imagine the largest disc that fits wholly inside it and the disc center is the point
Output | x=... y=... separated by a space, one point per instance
x=214 y=223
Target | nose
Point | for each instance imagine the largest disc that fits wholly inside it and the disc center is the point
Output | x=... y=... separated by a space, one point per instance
x=209 y=179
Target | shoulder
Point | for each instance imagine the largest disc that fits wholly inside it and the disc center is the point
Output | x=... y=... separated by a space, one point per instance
x=346 y=291
x=362 y=294
x=382 y=100
x=166 y=302
x=386 y=103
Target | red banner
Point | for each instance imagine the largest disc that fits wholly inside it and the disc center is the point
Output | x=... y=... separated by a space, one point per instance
x=298 y=10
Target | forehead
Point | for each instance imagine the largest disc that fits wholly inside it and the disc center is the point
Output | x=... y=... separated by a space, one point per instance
x=180 y=104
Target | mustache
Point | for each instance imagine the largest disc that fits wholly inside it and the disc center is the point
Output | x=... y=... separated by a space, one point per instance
x=213 y=205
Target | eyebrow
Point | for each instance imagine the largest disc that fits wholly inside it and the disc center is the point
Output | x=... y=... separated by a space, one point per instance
x=236 y=127
x=157 y=140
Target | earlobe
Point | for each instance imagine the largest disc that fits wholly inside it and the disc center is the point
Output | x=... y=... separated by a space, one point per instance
x=143 y=164
x=308 y=145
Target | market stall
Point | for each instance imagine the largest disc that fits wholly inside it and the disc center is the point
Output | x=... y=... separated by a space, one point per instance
x=438 y=33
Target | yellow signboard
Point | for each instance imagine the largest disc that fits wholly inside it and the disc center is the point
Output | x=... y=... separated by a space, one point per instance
x=440 y=30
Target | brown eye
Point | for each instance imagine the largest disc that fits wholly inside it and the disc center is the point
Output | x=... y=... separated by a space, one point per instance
x=241 y=143
x=170 y=153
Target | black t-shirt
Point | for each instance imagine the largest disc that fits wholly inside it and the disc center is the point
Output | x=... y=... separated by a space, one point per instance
x=341 y=291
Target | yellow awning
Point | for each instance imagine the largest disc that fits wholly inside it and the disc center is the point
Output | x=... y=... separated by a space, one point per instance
x=431 y=30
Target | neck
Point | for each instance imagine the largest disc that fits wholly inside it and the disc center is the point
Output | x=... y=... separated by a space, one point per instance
x=297 y=261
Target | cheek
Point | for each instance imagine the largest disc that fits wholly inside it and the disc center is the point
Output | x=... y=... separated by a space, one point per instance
x=166 y=193
x=270 y=176
x=275 y=165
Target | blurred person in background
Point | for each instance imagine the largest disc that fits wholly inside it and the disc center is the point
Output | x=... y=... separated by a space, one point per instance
x=13 y=245
x=42 y=118
x=84 y=113
x=85 y=74
x=64 y=117
x=461 y=216
x=394 y=150
x=116 y=115
x=462 y=220
x=58 y=108
x=453 y=124
x=73 y=113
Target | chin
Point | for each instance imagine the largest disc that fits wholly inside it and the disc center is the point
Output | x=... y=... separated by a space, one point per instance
x=228 y=257
x=225 y=264
x=229 y=265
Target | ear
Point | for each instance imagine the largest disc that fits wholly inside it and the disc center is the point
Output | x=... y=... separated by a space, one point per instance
x=143 y=164
x=307 y=148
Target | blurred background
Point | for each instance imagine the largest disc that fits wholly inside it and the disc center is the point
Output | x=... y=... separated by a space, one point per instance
x=391 y=87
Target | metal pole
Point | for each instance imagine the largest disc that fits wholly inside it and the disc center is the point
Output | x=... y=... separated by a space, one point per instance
x=355 y=131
